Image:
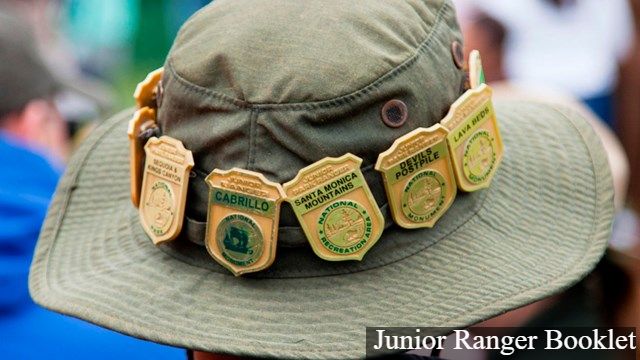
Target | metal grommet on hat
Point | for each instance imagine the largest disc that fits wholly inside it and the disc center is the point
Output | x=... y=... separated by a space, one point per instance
x=394 y=113
x=458 y=54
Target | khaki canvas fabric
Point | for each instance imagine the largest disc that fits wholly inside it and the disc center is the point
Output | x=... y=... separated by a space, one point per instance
x=273 y=86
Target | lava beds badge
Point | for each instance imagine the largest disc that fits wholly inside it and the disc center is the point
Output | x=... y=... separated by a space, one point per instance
x=242 y=221
x=336 y=208
x=474 y=139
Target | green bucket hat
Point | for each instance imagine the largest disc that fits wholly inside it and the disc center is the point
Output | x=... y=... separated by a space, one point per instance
x=272 y=87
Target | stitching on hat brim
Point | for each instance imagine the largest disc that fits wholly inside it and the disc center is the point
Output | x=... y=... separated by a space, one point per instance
x=323 y=104
x=589 y=254
x=595 y=252
x=597 y=186
x=67 y=186
x=602 y=210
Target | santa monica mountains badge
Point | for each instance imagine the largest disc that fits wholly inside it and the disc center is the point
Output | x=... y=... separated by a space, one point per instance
x=336 y=208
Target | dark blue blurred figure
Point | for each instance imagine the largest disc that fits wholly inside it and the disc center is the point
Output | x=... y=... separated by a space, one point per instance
x=33 y=141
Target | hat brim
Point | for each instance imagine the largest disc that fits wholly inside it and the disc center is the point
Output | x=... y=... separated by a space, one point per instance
x=541 y=226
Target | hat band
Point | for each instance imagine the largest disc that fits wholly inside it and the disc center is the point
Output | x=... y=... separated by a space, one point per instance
x=288 y=236
x=338 y=212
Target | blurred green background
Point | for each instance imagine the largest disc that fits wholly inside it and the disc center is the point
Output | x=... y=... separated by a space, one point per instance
x=120 y=41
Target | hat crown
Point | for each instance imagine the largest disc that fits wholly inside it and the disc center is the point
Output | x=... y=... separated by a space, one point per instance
x=273 y=86
x=288 y=51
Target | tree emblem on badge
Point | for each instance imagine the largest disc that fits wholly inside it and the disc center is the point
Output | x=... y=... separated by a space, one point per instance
x=424 y=196
x=346 y=229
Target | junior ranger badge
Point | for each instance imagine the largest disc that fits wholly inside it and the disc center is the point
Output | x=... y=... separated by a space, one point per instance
x=418 y=177
x=242 y=221
x=164 y=188
x=336 y=208
x=145 y=93
x=142 y=119
x=474 y=139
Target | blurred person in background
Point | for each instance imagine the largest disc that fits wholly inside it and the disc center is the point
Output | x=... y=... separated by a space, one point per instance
x=558 y=51
x=483 y=33
x=496 y=35
x=33 y=145
x=84 y=97
x=572 y=46
x=629 y=131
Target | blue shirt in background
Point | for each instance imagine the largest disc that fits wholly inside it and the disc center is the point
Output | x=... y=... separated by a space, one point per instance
x=27 y=183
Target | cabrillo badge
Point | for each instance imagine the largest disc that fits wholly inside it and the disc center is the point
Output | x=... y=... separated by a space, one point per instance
x=142 y=119
x=145 y=93
x=474 y=139
x=164 y=188
x=242 y=223
x=476 y=72
x=336 y=209
x=418 y=177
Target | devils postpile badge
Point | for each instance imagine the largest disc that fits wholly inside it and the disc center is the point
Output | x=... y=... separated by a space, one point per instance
x=142 y=119
x=474 y=139
x=242 y=223
x=336 y=208
x=164 y=188
x=418 y=177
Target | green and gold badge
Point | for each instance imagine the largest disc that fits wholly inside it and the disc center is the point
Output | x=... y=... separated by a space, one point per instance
x=164 y=188
x=474 y=139
x=242 y=223
x=336 y=209
x=418 y=177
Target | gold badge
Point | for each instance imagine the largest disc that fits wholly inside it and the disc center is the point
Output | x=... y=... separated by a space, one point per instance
x=142 y=119
x=476 y=72
x=474 y=139
x=336 y=208
x=418 y=177
x=242 y=223
x=164 y=188
x=145 y=93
